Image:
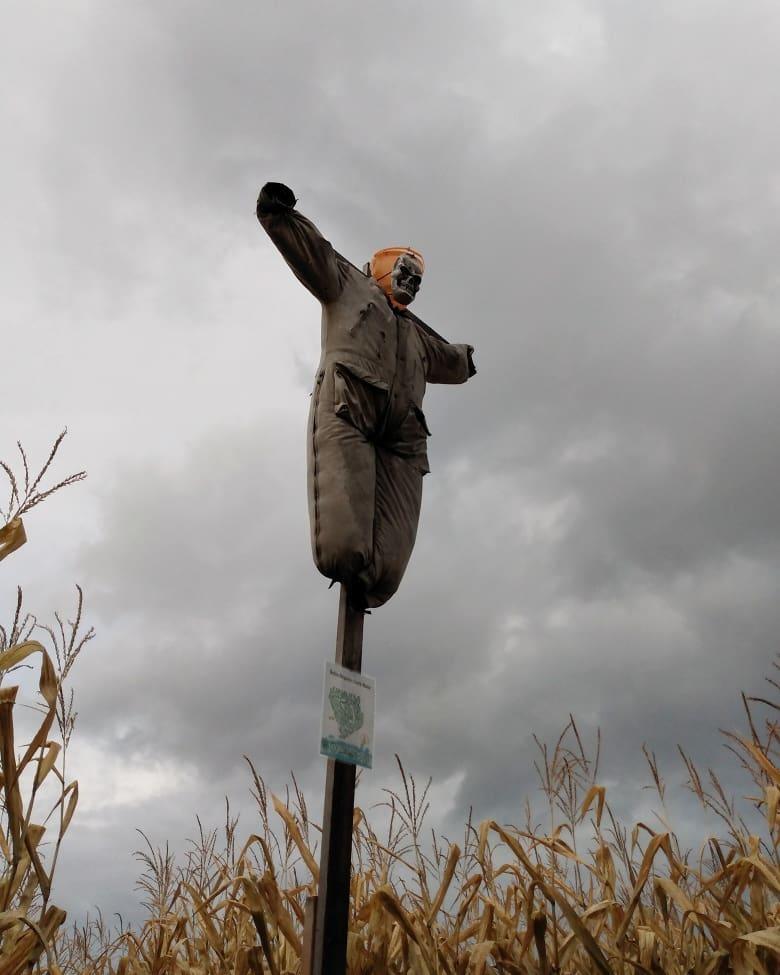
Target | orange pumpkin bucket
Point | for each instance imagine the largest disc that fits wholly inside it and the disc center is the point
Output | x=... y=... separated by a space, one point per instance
x=383 y=261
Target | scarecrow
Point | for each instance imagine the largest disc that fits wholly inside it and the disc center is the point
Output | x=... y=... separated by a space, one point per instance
x=367 y=435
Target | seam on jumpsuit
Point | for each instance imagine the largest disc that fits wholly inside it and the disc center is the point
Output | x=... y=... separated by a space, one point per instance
x=376 y=445
x=315 y=478
x=373 y=566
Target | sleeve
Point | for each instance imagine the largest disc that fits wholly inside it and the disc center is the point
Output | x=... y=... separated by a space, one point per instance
x=311 y=258
x=448 y=362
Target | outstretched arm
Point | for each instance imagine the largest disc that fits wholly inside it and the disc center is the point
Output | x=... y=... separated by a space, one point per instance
x=448 y=362
x=310 y=257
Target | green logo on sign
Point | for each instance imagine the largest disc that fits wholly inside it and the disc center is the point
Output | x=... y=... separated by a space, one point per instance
x=347 y=711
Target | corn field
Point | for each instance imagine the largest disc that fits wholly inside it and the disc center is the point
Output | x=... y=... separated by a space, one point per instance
x=584 y=894
x=505 y=899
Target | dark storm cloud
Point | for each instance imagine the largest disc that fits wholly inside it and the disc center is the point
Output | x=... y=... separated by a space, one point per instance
x=594 y=188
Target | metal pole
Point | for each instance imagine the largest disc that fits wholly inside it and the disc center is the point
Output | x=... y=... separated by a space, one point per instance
x=332 y=915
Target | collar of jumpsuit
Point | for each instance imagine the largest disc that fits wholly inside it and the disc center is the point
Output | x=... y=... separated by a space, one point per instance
x=381 y=268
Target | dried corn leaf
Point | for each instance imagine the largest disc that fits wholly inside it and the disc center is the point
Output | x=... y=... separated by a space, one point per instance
x=441 y=893
x=295 y=834
x=767 y=938
x=597 y=792
x=12 y=537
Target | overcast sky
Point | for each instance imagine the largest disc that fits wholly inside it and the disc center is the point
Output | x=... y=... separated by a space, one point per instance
x=595 y=187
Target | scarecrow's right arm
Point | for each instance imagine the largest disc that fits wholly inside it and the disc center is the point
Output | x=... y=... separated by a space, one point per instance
x=310 y=257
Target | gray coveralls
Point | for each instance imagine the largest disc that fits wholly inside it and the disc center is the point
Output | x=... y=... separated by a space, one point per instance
x=367 y=433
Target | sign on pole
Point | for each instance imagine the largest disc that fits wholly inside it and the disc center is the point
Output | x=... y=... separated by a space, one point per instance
x=347 y=733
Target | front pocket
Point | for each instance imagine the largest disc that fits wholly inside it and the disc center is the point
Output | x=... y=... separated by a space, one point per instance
x=421 y=418
x=358 y=402
x=414 y=428
x=410 y=439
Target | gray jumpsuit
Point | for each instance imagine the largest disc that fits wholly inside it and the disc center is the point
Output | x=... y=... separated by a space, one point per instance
x=367 y=449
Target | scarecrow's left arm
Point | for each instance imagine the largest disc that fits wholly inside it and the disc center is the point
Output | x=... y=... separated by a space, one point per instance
x=448 y=362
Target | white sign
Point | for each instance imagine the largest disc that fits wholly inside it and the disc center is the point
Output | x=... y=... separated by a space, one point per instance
x=348 y=716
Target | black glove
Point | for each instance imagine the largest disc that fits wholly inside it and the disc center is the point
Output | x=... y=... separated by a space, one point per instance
x=472 y=367
x=275 y=198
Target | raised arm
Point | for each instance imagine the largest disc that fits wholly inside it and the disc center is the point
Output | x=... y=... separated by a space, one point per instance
x=310 y=257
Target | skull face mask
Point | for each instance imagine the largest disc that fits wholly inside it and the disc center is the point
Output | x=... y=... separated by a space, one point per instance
x=405 y=279
x=398 y=271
